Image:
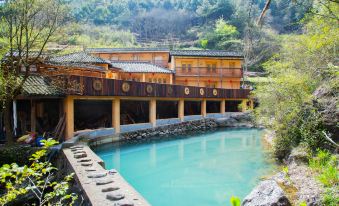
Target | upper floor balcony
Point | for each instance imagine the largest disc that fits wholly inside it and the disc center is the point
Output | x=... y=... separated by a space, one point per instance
x=208 y=72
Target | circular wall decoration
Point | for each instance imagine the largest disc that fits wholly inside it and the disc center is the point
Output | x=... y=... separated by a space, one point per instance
x=169 y=90
x=125 y=87
x=215 y=92
x=149 y=89
x=202 y=91
x=187 y=91
x=97 y=85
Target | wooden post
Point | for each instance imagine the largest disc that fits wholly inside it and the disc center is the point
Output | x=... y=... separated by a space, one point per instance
x=153 y=112
x=143 y=77
x=33 y=116
x=116 y=115
x=171 y=79
x=69 y=112
x=244 y=105
x=252 y=104
x=222 y=106
x=203 y=108
x=181 y=109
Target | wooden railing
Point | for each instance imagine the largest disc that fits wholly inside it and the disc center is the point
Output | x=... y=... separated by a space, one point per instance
x=208 y=72
x=110 y=87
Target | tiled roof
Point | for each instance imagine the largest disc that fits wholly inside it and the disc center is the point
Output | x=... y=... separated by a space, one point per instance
x=206 y=53
x=39 y=86
x=76 y=65
x=110 y=50
x=78 y=57
x=139 y=67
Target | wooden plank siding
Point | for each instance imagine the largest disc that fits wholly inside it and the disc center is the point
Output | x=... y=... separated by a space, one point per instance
x=112 y=87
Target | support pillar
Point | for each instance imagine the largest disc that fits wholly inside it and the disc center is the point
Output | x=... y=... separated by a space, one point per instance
x=116 y=115
x=171 y=79
x=252 y=104
x=143 y=79
x=222 y=106
x=153 y=112
x=203 y=108
x=33 y=116
x=181 y=108
x=69 y=112
x=244 y=105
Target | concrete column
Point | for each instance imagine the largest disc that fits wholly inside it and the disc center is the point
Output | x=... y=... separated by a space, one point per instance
x=33 y=116
x=244 y=105
x=203 y=107
x=69 y=112
x=153 y=112
x=143 y=79
x=181 y=109
x=222 y=106
x=116 y=115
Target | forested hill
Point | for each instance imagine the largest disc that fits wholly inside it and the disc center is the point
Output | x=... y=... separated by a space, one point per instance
x=174 y=21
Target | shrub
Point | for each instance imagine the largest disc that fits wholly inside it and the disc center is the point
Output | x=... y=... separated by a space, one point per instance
x=37 y=179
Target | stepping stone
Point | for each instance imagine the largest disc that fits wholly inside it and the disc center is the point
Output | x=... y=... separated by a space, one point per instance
x=115 y=195
x=123 y=202
x=79 y=152
x=97 y=175
x=112 y=171
x=78 y=156
x=90 y=169
x=86 y=164
x=109 y=189
x=77 y=147
x=103 y=181
x=85 y=160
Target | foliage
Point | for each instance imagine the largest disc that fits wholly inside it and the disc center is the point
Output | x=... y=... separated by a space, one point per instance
x=19 y=154
x=37 y=178
x=286 y=101
x=235 y=201
x=326 y=166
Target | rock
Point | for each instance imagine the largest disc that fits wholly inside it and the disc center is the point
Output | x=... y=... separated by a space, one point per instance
x=79 y=152
x=123 y=202
x=77 y=147
x=109 y=189
x=112 y=171
x=267 y=193
x=115 y=195
x=90 y=169
x=299 y=155
x=84 y=160
x=86 y=164
x=103 y=181
x=97 y=175
x=78 y=156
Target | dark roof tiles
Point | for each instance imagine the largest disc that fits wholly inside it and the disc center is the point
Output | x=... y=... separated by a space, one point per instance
x=110 y=50
x=78 y=57
x=140 y=67
x=40 y=86
x=206 y=53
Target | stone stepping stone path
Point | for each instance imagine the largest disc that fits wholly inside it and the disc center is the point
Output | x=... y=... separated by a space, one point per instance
x=108 y=185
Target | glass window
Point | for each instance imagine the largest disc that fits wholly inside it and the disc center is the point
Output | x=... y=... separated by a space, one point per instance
x=189 y=67
x=214 y=68
x=183 y=67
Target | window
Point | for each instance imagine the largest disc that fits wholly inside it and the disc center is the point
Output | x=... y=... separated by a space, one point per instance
x=214 y=68
x=158 y=60
x=150 y=80
x=232 y=65
x=164 y=81
x=159 y=81
x=183 y=66
x=189 y=66
x=208 y=68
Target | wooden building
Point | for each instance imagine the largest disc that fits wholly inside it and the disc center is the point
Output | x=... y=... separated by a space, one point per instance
x=112 y=88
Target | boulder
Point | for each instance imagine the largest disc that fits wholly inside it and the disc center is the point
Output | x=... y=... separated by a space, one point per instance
x=267 y=193
x=299 y=155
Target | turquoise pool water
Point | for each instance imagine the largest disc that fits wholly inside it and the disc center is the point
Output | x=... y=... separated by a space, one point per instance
x=204 y=169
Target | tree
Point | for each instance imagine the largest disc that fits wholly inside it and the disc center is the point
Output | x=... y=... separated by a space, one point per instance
x=27 y=26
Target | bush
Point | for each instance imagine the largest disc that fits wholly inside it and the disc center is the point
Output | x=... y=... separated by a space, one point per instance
x=19 y=154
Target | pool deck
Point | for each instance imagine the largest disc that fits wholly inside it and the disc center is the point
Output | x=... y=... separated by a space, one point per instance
x=100 y=186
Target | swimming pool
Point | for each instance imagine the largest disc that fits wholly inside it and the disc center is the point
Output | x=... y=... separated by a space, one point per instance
x=203 y=169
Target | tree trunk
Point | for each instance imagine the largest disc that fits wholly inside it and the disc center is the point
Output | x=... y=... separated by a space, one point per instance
x=8 y=122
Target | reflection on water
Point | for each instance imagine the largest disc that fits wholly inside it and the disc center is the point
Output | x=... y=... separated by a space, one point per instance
x=203 y=169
